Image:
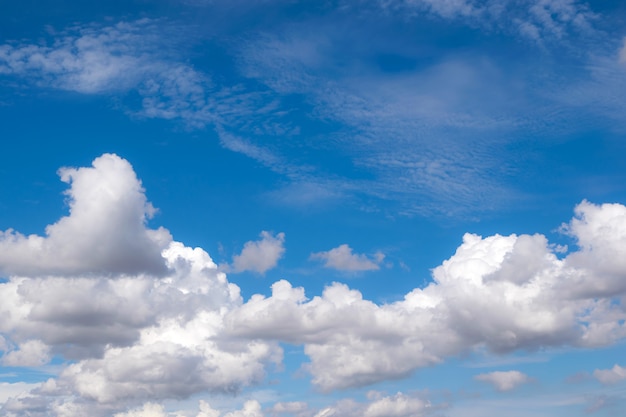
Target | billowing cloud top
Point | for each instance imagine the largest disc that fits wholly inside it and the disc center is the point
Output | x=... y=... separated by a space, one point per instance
x=105 y=232
x=143 y=318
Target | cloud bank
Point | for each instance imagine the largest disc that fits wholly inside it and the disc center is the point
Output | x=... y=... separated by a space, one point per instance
x=169 y=325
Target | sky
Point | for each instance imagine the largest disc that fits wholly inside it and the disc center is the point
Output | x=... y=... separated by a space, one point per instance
x=331 y=208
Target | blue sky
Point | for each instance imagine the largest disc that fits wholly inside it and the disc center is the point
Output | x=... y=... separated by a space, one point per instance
x=380 y=208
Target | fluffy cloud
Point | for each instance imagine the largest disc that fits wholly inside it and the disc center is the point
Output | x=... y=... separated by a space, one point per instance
x=504 y=380
x=147 y=335
x=342 y=259
x=105 y=232
x=137 y=338
x=398 y=405
x=261 y=255
x=499 y=292
x=610 y=376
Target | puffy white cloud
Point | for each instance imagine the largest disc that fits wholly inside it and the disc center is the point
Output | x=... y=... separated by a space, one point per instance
x=342 y=259
x=30 y=353
x=148 y=410
x=150 y=335
x=140 y=337
x=499 y=292
x=610 y=376
x=261 y=255
x=293 y=407
x=15 y=389
x=398 y=405
x=600 y=231
x=105 y=232
x=250 y=408
x=504 y=380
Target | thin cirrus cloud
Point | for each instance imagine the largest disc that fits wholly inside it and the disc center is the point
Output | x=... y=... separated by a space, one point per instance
x=342 y=258
x=407 y=131
x=352 y=341
x=504 y=380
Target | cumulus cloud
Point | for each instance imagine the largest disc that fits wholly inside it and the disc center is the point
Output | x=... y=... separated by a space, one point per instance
x=504 y=380
x=260 y=255
x=104 y=233
x=29 y=353
x=342 y=259
x=610 y=376
x=398 y=405
x=137 y=338
x=293 y=407
x=134 y=334
x=500 y=292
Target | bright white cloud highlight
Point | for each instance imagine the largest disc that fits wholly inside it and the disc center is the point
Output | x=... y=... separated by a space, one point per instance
x=504 y=380
x=260 y=255
x=135 y=338
x=610 y=376
x=500 y=292
x=138 y=338
x=105 y=232
x=342 y=259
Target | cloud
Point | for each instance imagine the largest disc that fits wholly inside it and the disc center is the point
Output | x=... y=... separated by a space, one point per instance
x=522 y=284
x=148 y=410
x=13 y=390
x=137 y=338
x=105 y=232
x=504 y=381
x=293 y=407
x=87 y=60
x=398 y=405
x=30 y=353
x=131 y=336
x=610 y=376
x=342 y=259
x=532 y=19
x=261 y=255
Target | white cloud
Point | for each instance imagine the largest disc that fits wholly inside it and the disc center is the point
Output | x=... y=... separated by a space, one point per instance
x=293 y=407
x=610 y=376
x=398 y=405
x=142 y=338
x=105 y=232
x=30 y=353
x=518 y=280
x=504 y=380
x=342 y=259
x=148 y=410
x=12 y=390
x=260 y=255
x=533 y=19
x=134 y=337
x=250 y=408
